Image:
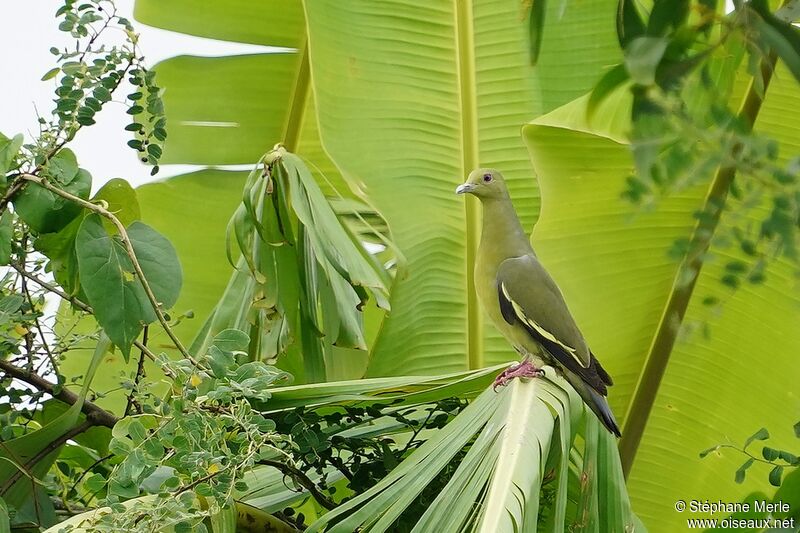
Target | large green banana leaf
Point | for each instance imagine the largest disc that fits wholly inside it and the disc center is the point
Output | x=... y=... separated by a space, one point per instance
x=522 y=438
x=612 y=266
x=458 y=87
x=413 y=99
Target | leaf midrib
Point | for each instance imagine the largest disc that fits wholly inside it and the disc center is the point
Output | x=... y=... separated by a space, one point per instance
x=468 y=112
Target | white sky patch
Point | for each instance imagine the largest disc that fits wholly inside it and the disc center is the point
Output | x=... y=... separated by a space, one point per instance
x=29 y=28
x=210 y=124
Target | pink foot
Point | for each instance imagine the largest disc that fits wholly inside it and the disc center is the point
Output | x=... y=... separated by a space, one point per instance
x=525 y=369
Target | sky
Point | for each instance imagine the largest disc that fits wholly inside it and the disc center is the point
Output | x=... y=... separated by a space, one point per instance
x=28 y=29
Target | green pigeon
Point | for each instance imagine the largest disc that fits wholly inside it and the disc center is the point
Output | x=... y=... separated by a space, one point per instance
x=526 y=305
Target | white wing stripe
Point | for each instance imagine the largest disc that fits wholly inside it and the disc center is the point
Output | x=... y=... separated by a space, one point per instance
x=539 y=329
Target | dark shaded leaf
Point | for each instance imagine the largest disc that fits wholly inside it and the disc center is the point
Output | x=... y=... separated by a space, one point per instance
x=154 y=150
x=779 y=36
x=761 y=434
x=667 y=14
x=536 y=28
x=742 y=471
x=736 y=267
x=60 y=250
x=44 y=211
x=102 y=93
x=775 y=476
x=629 y=22
x=770 y=454
x=610 y=81
x=789 y=457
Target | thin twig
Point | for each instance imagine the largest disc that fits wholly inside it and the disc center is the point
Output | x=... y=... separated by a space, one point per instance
x=416 y=431
x=341 y=467
x=196 y=482
x=52 y=288
x=89 y=469
x=751 y=456
x=301 y=479
x=38 y=325
x=132 y=402
x=97 y=34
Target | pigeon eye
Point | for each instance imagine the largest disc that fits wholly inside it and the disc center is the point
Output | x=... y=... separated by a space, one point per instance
x=487 y=178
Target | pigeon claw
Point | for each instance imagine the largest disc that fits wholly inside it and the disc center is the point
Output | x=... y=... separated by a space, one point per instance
x=525 y=369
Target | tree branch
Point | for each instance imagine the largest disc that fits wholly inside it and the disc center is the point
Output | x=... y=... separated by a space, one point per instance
x=301 y=479
x=97 y=415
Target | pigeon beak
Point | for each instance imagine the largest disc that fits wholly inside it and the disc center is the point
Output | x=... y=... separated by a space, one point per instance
x=464 y=188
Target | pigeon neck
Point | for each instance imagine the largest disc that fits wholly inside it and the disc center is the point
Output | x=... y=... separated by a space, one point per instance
x=502 y=232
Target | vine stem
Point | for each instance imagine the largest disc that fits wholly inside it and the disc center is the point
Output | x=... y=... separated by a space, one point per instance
x=102 y=211
x=751 y=456
x=669 y=326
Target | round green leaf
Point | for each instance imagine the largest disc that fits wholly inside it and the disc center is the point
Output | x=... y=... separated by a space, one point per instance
x=109 y=281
